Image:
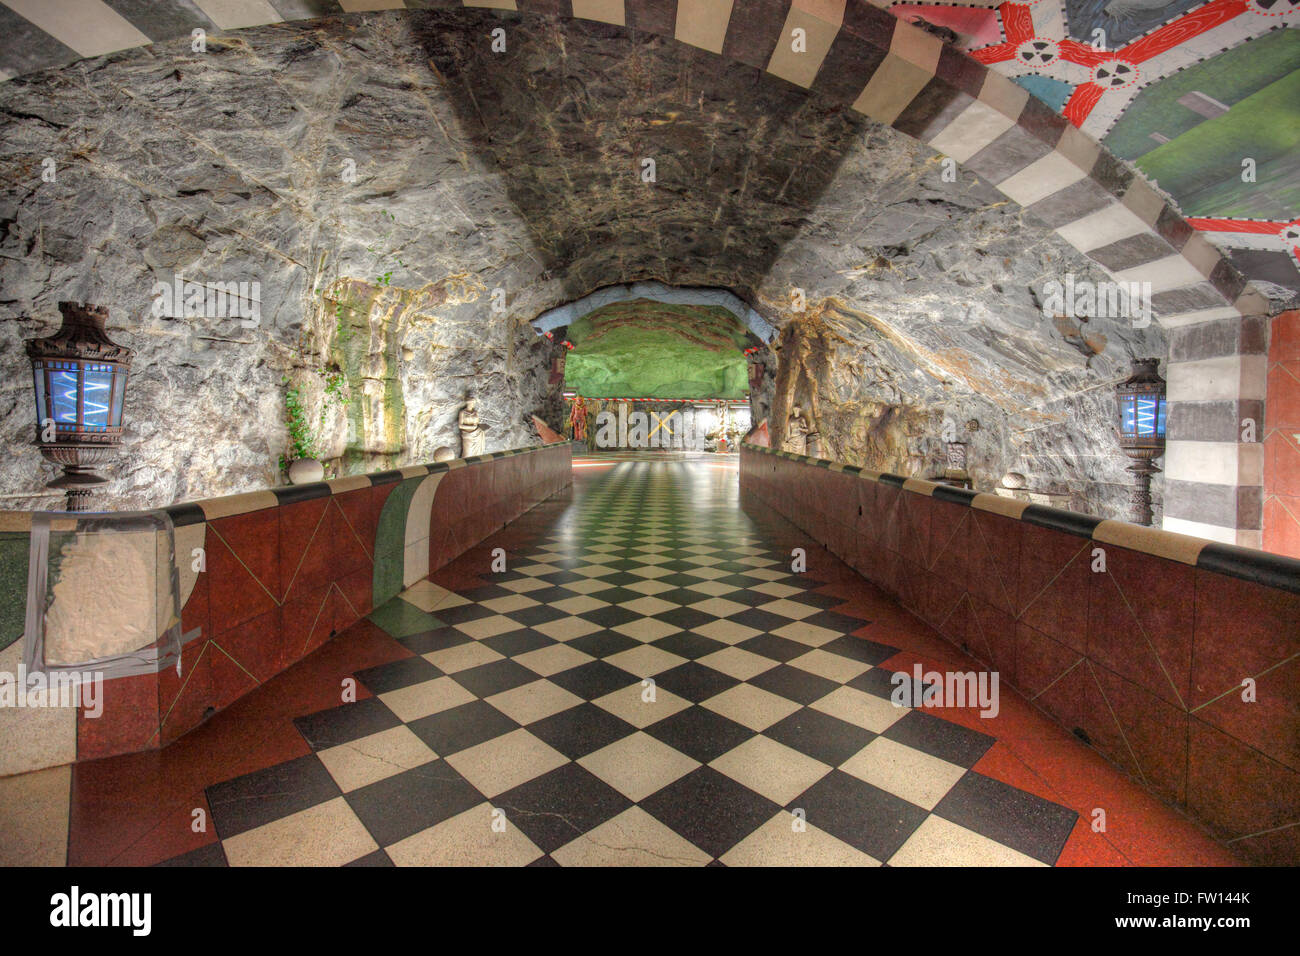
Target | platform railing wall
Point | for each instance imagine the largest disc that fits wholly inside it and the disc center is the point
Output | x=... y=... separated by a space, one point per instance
x=1176 y=657
x=262 y=580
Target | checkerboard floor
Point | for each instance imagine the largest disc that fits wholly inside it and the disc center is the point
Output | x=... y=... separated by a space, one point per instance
x=647 y=684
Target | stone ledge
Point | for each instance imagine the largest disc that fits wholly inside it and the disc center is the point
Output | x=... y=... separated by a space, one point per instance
x=1248 y=564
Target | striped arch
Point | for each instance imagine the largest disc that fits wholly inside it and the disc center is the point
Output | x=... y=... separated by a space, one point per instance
x=861 y=57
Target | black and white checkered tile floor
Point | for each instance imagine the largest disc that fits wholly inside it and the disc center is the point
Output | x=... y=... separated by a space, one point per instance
x=647 y=684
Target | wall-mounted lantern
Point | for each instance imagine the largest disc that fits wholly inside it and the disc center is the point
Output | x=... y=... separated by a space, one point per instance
x=1143 y=411
x=79 y=375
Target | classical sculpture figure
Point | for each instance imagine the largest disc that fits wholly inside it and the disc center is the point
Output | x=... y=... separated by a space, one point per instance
x=473 y=437
x=796 y=432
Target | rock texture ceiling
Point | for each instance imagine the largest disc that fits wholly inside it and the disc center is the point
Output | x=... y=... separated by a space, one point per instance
x=1135 y=74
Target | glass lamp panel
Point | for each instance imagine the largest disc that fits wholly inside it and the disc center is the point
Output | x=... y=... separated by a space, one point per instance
x=119 y=396
x=1160 y=421
x=1146 y=416
x=63 y=393
x=38 y=381
x=1127 y=415
x=98 y=395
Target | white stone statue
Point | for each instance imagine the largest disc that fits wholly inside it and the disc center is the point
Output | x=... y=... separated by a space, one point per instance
x=796 y=432
x=473 y=437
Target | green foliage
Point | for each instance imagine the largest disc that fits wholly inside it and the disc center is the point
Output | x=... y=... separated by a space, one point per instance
x=302 y=443
x=335 y=384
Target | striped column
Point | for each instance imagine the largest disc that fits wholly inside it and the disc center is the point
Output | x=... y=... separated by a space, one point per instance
x=1214 y=456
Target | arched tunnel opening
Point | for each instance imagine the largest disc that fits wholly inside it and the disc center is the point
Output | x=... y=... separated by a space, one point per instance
x=645 y=375
x=616 y=432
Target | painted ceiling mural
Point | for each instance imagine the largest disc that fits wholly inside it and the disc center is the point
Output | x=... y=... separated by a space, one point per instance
x=1204 y=98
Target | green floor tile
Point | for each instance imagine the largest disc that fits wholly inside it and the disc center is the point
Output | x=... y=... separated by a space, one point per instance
x=402 y=619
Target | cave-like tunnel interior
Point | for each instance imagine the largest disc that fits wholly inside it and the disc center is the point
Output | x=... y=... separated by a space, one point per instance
x=632 y=399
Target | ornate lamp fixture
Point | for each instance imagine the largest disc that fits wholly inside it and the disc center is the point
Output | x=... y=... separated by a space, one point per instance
x=1142 y=413
x=80 y=376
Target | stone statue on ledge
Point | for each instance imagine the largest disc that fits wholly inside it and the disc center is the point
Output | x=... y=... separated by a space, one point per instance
x=473 y=437
x=796 y=432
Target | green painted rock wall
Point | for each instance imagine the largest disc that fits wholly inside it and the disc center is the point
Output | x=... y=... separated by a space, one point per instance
x=644 y=349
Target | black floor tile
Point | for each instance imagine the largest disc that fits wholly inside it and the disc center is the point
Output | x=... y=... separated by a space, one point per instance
x=547 y=596
x=538 y=614
x=773 y=647
x=678 y=596
x=837 y=622
x=820 y=736
x=622 y=563
x=257 y=798
x=558 y=807
x=680 y=579
x=603 y=643
x=398 y=674
x=695 y=682
x=710 y=809
x=378 y=858
x=465 y=612
x=396 y=807
x=563 y=576
x=460 y=728
x=618 y=595
x=940 y=738
x=700 y=733
x=744 y=585
x=760 y=620
x=611 y=616
x=510 y=575
x=679 y=565
x=593 y=680
x=622 y=579
x=686 y=618
x=860 y=649
x=211 y=855
x=794 y=684
x=581 y=730
x=1013 y=817
x=348 y=722
x=439 y=639
x=823 y=601
x=881 y=682
x=873 y=820
x=494 y=677
x=514 y=643
x=690 y=646
x=485 y=592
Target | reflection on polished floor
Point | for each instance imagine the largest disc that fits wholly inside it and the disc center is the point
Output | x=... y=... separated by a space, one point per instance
x=648 y=683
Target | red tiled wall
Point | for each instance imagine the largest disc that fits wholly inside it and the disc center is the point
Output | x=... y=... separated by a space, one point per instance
x=473 y=503
x=1145 y=658
x=1282 y=438
x=282 y=581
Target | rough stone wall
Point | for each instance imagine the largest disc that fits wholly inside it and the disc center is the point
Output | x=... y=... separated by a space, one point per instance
x=229 y=166
x=929 y=309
